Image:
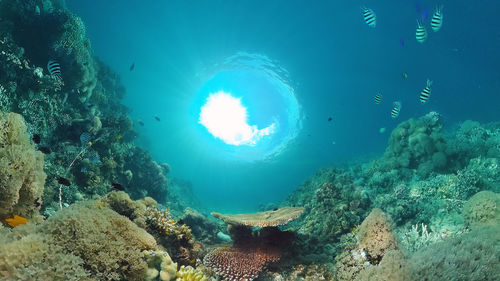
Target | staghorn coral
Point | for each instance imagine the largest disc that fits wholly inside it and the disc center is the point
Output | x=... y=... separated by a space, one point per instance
x=277 y=217
x=21 y=170
x=240 y=264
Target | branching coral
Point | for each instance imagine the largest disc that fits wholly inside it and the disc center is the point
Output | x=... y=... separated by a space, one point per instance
x=21 y=169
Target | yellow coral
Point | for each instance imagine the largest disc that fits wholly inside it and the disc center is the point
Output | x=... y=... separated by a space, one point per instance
x=187 y=273
x=21 y=169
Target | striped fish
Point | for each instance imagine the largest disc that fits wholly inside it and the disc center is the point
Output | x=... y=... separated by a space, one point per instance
x=55 y=69
x=421 y=33
x=437 y=19
x=369 y=17
x=426 y=92
x=378 y=98
x=396 y=107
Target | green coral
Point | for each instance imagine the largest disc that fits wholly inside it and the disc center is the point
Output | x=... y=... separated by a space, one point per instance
x=21 y=169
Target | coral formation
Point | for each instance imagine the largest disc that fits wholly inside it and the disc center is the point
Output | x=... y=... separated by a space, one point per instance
x=188 y=273
x=21 y=170
x=277 y=217
x=203 y=229
x=240 y=264
x=375 y=236
x=102 y=238
x=482 y=209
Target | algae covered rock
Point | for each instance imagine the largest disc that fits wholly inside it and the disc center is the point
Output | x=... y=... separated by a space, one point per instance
x=375 y=235
x=21 y=169
x=482 y=209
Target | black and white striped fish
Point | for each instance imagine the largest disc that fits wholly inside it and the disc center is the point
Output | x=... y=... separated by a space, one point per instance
x=421 y=33
x=426 y=92
x=369 y=17
x=396 y=107
x=437 y=19
x=378 y=98
x=54 y=69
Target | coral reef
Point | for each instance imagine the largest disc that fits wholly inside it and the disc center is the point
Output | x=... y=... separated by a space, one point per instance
x=21 y=170
x=188 y=273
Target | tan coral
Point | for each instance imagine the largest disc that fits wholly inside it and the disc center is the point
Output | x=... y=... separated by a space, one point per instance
x=277 y=217
x=375 y=236
x=21 y=170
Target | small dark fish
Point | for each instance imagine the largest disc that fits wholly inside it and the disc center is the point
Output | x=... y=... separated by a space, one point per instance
x=45 y=150
x=140 y=122
x=157 y=118
x=401 y=43
x=275 y=209
x=118 y=186
x=36 y=138
x=64 y=181
x=54 y=69
x=37 y=202
x=330 y=119
x=378 y=98
x=132 y=66
x=425 y=14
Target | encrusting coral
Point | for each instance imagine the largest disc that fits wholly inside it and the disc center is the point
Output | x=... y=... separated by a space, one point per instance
x=482 y=209
x=21 y=170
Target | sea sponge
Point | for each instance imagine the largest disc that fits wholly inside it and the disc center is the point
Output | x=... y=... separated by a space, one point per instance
x=482 y=208
x=21 y=169
x=109 y=244
x=375 y=236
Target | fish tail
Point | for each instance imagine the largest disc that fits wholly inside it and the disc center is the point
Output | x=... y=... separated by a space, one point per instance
x=429 y=82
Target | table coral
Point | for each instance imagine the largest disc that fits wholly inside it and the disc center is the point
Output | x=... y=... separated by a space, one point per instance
x=21 y=169
x=277 y=217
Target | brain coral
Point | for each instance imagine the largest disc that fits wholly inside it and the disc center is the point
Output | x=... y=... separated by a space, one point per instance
x=21 y=169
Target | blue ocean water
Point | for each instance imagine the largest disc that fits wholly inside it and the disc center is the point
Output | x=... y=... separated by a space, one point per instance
x=336 y=64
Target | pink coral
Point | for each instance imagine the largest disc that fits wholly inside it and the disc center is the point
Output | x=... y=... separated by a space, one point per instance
x=240 y=264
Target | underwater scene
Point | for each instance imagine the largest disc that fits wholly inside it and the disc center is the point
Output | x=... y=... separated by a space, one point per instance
x=238 y=140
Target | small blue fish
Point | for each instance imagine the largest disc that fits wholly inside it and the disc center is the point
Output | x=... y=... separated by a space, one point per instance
x=93 y=157
x=85 y=138
x=140 y=122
